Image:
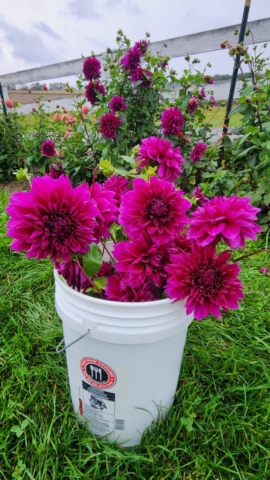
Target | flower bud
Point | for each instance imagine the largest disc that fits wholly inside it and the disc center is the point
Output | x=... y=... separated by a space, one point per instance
x=248 y=99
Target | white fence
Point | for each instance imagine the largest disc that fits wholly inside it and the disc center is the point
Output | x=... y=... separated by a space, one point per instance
x=196 y=43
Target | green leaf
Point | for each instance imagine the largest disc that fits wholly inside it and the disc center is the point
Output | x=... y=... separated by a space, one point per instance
x=100 y=282
x=239 y=108
x=266 y=199
x=92 y=260
x=266 y=145
x=242 y=154
x=247 y=91
x=188 y=423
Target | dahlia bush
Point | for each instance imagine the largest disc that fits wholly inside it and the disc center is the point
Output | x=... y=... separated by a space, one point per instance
x=159 y=245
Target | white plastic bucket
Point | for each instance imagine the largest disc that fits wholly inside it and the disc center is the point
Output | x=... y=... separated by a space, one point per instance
x=123 y=374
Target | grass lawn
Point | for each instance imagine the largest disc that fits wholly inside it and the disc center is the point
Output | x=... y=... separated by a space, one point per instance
x=218 y=426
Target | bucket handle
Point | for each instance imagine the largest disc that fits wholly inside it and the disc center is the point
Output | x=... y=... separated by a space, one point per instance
x=72 y=343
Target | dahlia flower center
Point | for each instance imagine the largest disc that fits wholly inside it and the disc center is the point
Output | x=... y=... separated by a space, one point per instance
x=208 y=279
x=60 y=226
x=158 y=209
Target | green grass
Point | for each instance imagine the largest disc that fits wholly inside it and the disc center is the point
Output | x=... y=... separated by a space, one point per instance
x=218 y=427
x=217 y=114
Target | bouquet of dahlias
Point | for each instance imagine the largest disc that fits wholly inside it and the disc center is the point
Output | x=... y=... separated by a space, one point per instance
x=162 y=247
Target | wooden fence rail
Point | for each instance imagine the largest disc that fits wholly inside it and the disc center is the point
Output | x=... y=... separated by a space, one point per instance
x=176 y=47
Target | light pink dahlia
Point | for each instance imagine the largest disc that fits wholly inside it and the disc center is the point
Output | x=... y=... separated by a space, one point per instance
x=118 y=290
x=206 y=280
x=52 y=219
x=230 y=219
x=172 y=121
x=159 y=151
x=107 y=210
x=143 y=260
x=155 y=209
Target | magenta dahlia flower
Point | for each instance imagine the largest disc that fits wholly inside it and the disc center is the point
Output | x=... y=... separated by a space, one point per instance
x=207 y=281
x=56 y=170
x=132 y=59
x=118 y=290
x=192 y=105
x=209 y=80
x=154 y=209
x=107 y=210
x=91 y=68
x=159 y=151
x=52 y=219
x=263 y=270
x=142 y=75
x=92 y=90
x=202 y=93
x=143 y=260
x=73 y=275
x=142 y=45
x=197 y=152
x=109 y=124
x=212 y=101
x=197 y=193
x=116 y=104
x=230 y=219
x=172 y=121
x=106 y=270
x=182 y=243
x=118 y=185
x=48 y=148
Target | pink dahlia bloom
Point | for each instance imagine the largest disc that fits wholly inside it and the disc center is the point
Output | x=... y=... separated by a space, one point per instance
x=52 y=219
x=212 y=101
x=118 y=185
x=116 y=104
x=182 y=243
x=207 y=281
x=118 y=290
x=56 y=170
x=107 y=210
x=143 y=260
x=48 y=148
x=154 y=209
x=106 y=270
x=92 y=91
x=159 y=151
x=91 y=68
x=192 y=105
x=172 y=121
x=9 y=103
x=265 y=271
x=73 y=275
x=142 y=75
x=230 y=219
x=198 y=152
x=109 y=124
x=132 y=59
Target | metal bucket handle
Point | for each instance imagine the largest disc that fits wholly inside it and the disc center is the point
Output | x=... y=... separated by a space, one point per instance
x=72 y=343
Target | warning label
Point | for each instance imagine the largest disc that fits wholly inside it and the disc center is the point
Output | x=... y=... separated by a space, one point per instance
x=99 y=408
x=98 y=373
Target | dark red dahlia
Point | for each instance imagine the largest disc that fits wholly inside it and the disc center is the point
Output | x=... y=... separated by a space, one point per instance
x=92 y=90
x=132 y=59
x=91 y=68
x=56 y=170
x=142 y=75
x=109 y=124
x=48 y=148
x=116 y=104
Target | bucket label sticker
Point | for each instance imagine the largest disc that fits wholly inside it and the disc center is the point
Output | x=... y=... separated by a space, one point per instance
x=99 y=408
x=98 y=373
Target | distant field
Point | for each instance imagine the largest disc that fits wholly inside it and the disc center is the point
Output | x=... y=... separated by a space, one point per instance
x=217 y=114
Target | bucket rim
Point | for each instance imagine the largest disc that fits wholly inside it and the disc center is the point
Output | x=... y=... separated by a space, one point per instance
x=100 y=301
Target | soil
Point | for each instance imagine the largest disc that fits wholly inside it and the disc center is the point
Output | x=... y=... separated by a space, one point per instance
x=14 y=186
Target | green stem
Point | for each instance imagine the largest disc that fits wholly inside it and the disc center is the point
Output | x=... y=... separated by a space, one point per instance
x=251 y=254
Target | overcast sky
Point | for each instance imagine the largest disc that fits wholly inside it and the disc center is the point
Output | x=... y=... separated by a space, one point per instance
x=42 y=32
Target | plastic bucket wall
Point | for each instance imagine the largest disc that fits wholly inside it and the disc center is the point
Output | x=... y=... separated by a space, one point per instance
x=124 y=373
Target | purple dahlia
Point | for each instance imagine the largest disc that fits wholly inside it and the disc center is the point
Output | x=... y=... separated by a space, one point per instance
x=109 y=124
x=91 y=68
x=172 y=121
x=92 y=90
